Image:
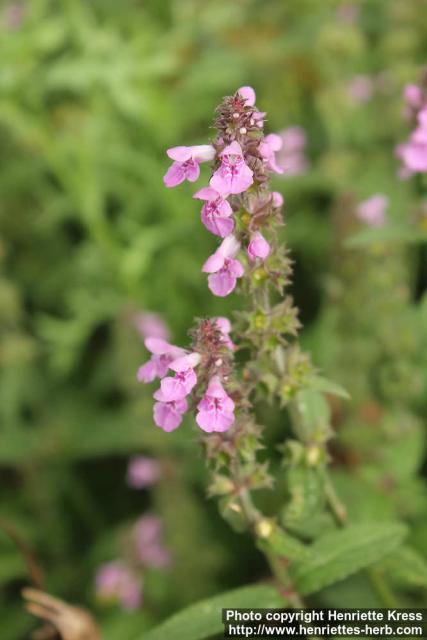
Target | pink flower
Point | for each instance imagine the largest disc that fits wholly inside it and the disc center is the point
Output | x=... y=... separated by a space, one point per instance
x=372 y=210
x=142 y=472
x=224 y=269
x=248 y=94
x=158 y=365
x=117 y=582
x=216 y=213
x=216 y=408
x=413 y=96
x=186 y=163
x=268 y=148
x=150 y=325
x=184 y=379
x=258 y=247
x=277 y=199
x=148 y=534
x=168 y=414
x=234 y=175
x=224 y=325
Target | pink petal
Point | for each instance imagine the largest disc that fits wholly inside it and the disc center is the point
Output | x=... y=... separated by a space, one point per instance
x=214 y=263
x=248 y=94
x=166 y=417
x=174 y=176
x=192 y=171
x=223 y=324
x=222 y=283
x=277 y=199
x=233 y=149
x=242 y=180
x=229 y=246
x=203 y=152
x=258 y=247
x=206 y=193
x=157 y=345
x=147 y=372
x=220 y=183
x=185 y=362
x=274 y=141
x=235 y=268
x=211 y=421
x=180 y=154
x=219 y=226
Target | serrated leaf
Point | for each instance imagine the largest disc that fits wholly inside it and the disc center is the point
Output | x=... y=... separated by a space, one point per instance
x=203 y=619
x=341 y=553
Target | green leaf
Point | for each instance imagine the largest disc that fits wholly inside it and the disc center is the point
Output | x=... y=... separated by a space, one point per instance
x=341 y=553
x=406 y=567
x=319 y=383
x=203 y=619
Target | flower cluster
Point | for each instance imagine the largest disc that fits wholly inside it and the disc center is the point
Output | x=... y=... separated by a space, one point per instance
x=241 y=157
x=413 y=152
x=238 y=208
x=213 y=352
x=122 y=580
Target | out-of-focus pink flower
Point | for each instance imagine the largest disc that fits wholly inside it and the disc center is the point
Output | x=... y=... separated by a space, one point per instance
x=116 y=582
x=268 y=149
x=224 y=325
x=215 y=409
x=224 y=269
x=248 y=94
x=292 y=154
x=413 y=96
x=373 y=210
x=258 y=247
x=168 y=414
x=216 y=212
x=233 y=175
x=142 y=472
x=148 y=538
x=14 y=15
x=151 y=325
x=186 y=163
x=158 y=365
x=360 y=88
x=414 y=152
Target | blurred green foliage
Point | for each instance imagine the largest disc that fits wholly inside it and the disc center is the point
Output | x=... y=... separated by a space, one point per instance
x=91 y=95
